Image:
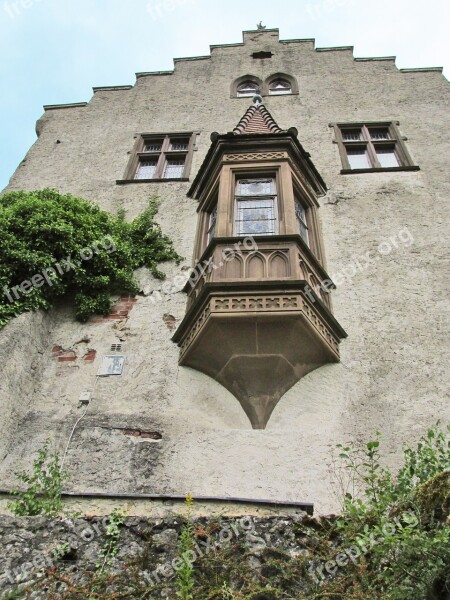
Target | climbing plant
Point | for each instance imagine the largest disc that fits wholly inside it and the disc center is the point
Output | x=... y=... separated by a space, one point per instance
x=55 y=245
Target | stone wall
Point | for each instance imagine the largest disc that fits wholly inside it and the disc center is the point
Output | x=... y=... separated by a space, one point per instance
x=44 y=559
x=393 y=376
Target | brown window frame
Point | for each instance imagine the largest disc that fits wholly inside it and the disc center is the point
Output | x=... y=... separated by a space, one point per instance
x=395 y=141
x=162 y=156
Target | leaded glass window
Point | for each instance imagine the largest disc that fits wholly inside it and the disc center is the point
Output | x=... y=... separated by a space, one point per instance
x=256 y=207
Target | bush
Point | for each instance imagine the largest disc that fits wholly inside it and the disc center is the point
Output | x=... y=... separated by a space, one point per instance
x=399 y=523
x=72 y=247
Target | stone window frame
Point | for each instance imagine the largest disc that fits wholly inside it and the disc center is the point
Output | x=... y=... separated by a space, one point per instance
x=162 y=156
x=243 y=79
x=396 y=140
x=284 y=76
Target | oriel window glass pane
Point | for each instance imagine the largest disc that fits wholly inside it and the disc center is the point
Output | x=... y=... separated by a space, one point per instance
x=387 y=157
x=146 y=169
x=212 y=223
x=358 y=158
x=255 y=187
x=255 y=217
x=300 y=213
x=174 y=168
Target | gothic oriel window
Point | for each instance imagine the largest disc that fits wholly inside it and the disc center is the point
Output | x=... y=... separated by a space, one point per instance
x=256 y=206
x=371 y=146
x=280 y=87
x=257 y=318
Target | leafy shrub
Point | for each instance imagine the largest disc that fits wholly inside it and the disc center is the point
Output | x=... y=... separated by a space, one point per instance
x=400 y=523
x=44 y=486
x=43 y=229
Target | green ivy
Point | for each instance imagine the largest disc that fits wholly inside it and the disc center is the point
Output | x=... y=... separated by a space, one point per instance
x=44 y=229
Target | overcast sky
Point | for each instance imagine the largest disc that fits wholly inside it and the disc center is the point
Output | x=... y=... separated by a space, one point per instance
x=55 y=51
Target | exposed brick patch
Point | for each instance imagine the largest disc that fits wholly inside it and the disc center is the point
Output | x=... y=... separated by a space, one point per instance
x=68 y=357
x=90 y=355
x=118 y=312
x=62 y=355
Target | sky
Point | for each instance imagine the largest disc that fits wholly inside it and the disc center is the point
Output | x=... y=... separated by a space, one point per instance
x=55 y=51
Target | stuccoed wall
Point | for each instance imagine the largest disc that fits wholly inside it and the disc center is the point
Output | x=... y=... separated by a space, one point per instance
x=392 y=376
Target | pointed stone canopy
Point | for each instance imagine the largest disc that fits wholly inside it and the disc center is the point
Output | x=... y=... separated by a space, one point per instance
x=257 y=119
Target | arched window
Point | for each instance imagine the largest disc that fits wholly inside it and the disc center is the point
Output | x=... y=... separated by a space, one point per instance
x=247 y=89
x=279 y=87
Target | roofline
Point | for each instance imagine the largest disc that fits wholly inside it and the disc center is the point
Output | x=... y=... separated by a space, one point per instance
x=153 y=73
x=334 y=48
x=58 y=106
x=295 y=40
x=183 y=58
x=422 y=69
x=111 y=88
x=260 y=30
x=369 y=58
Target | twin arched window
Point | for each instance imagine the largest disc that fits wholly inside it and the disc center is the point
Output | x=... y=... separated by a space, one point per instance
x=247 y=89
x=279 y=87
x=273 y=86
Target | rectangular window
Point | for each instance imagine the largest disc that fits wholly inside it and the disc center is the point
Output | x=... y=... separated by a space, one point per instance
x=371 y=146
x=174 y=168
x=256 y=207
x=146 y=169
x=387 y=157
x=161 y=157
x=358 y=158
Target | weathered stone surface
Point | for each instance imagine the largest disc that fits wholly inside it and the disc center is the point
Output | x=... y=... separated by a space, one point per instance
x=393 y=376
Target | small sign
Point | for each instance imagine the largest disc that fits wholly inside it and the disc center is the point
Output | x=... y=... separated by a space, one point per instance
x=111 y=365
